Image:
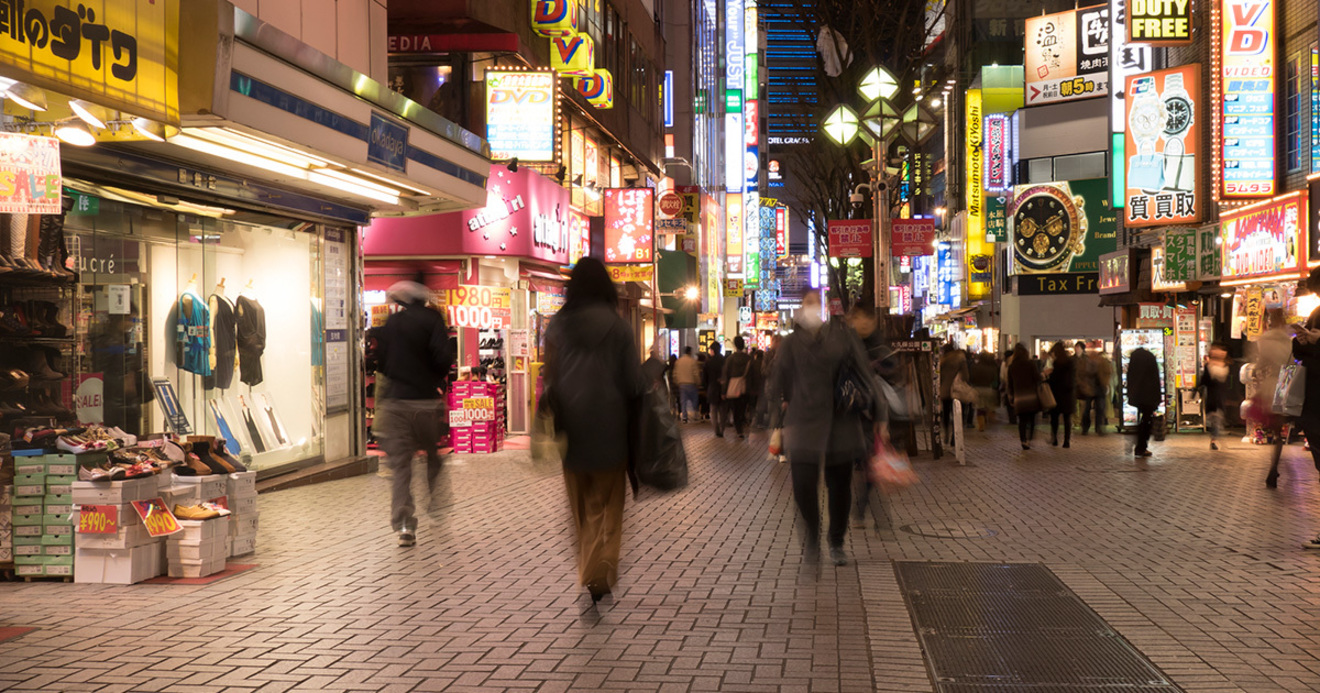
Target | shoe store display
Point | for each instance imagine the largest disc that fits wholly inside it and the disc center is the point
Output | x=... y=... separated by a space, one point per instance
x=201 y=511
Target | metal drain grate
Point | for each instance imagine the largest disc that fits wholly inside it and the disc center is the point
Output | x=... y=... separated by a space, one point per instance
x=999 y=627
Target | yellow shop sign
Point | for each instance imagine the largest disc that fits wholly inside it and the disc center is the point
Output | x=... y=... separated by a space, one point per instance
x=120 y=54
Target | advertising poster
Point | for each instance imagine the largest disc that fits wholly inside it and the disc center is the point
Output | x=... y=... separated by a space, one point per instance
x=521 y=114
x=1263 y=239
x=997 y=137
x=912 y=237
x=483 y=307
x=1162 y=184
x=1062 y=226
x=30 y=181
x=630 y=273
x=1067 y=55
x=1116 y=272
x=733 y=234
x=850 y=238
x=1248 y=80
x=1160 y=22
x=629 y=225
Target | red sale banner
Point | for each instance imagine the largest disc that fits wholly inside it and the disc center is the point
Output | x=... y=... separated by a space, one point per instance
x=98 y=519
x=158 y=519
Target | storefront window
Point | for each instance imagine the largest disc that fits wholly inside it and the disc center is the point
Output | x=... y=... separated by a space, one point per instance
x=199 y=325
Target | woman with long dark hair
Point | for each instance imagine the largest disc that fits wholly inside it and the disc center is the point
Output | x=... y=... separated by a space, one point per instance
x=1023 y=391
x=593 y=380
x=1063 y=385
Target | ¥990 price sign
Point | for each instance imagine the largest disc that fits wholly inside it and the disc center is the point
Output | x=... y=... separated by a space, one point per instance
x=629 y=225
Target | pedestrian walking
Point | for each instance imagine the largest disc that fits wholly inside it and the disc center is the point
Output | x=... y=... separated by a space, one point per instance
x=953 y=363
x=593 y=385
x=1085 y=386
x=1063 y=385
x=756 y=390
x=865 y=325
x=1024 y=392
x=737 y=370
x=983 y=375
x=1214 y=385
x=714 y=375
x=1145 y=390
x=687 y=374
x=818 y=434
x=413 y=352
x=1273 y=350
x=1104 y=378
x=1306 y=349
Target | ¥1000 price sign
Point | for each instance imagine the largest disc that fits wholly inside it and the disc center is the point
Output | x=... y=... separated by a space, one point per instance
x=481 y=307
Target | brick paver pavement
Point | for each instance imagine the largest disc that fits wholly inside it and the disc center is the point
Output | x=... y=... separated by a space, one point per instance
x=1187 y=555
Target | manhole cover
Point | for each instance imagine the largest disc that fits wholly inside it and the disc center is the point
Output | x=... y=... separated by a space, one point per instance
x=949 y=529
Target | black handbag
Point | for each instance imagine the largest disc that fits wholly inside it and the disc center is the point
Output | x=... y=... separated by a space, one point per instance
x=851 y=394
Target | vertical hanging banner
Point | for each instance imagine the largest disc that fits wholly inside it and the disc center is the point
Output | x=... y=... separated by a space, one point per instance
x=733 y=234
x=1067 y=55
x=977 y=251
x=1248 y=84
x=1162 y=185
x=629 y=225
x=997 y=141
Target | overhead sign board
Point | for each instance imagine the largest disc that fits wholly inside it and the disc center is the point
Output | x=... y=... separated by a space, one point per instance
x=1263 y=239
x=1162 y=150
x=1061 y=227
x=1067 y=55
x=850 y=238
x=1248 y=82
x=521 y=114
x=1159 y=22
x=912 y=237
x=629 y=225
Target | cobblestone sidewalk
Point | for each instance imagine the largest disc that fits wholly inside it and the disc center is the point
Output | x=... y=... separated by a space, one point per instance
x=1187 y=555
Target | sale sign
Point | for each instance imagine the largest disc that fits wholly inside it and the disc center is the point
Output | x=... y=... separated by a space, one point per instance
x=483 y=307
x=98 y=519
x=912 y=237
x=850 y=238
x=629 y=225
x=157 y=518
x=30 y=181
x=473 y=410
x=630 y=273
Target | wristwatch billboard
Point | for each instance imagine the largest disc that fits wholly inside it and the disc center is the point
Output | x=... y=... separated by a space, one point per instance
x=1049 y=228
x=1179 y=173
x=1146 y=121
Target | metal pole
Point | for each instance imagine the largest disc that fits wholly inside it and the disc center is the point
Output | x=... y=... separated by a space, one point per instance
x=880 y=244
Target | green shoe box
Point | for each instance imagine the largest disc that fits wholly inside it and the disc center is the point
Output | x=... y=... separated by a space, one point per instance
x=60 y=485
x=56 y=539
x=26 y=520
x=57 y=518
x=35 y=479
x=30 y=465
x=21 y=502
x=27 y=549
x=29 y=530
x=62 y=467
x=57 y=550
x=27 y=541
x=58 y=529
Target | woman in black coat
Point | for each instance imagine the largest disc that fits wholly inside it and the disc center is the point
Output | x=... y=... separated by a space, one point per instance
x=593 y=379
x=1023 y=384
x=1063 y=385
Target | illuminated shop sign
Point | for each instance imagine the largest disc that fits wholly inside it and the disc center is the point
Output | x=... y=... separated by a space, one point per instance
x=733 y=234
x=1247 y=81
x=997 y=138
x=1163 y=143
x=629 y=225
x=1263 y=239
x=1159 y=22
x=521 y=114
x=1116 y=272
x=1067 y=55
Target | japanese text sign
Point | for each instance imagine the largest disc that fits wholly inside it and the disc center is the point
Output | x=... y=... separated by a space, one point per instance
x=1248 y=83
x=521 y=113
x=911 y=237
x=850 y=238
x=483 y=307
x=1125 y=58
x=733 y=234
x=1263 y=239
x=98 y=519
x=122 y=54
x=1116 y=272
x=629 y=225
x=158 y=518
x=997 y=139
x=30 y=180
x=1208 y=267
x=1159 y=22
x=1158 y=282
x=1162 y=147
x=1180 y=257
x=473 y=410
x=1067 y=55
x=1154 y=316
x=630 y=273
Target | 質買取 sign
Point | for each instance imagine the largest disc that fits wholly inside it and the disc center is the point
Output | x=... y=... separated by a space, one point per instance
x=1067 y=55
x=482 y=307
x=1163 y=132
x=1263 y=239
x=521 y=114
x=1248 y=83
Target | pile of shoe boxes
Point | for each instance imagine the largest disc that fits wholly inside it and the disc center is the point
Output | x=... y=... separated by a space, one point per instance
x=243 y=513
x=479 y=436
x=129 y=555
x=200 y=549
x=43 y=511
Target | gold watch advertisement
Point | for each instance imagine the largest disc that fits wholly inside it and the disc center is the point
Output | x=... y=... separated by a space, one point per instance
x=1062 y=226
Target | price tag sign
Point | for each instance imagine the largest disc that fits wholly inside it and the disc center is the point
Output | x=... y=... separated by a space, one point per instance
x=158 y=518
x=482 y=307
x=474 y=409
x=98 y=519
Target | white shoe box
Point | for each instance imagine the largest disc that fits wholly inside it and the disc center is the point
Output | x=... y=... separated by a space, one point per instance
x=206 y=550
x=114 y=492
x=194 y=569
x=128 y=537
x=243 y=523
x=242 y=485
x=243 y=506
x=201 y=530
x=242 y=544
x=116 y=566
x=208 y=487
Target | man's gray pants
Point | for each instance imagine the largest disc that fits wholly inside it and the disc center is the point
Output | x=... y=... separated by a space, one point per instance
x=405 y=426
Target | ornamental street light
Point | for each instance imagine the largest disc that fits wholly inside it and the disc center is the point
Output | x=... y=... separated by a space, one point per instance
x=879 y=83
x=841 y=125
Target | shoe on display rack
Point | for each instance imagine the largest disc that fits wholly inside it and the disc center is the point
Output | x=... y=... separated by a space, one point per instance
x=101 y=473
x=201 y=511
x=78 y=445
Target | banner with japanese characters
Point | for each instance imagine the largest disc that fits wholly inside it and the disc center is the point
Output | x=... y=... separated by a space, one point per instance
x=1162 y=148
x=629 y=225
x=1067 y=55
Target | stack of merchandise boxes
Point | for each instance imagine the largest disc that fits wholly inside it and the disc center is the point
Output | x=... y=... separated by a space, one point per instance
x=43 y=511
x=128 y=555
x=200 y=549
x=6 y=504
x=243 y=513
x=476 y=436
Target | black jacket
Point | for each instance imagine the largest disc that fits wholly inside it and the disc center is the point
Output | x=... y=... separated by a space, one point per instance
x=713 y=371
x=413 y=352
x=1063 y=383
x=1144 y=384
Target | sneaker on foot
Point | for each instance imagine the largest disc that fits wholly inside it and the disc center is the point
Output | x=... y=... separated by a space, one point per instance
x=407 y=537
x=838 y=556
x=1214 y=445
x=1144 y=453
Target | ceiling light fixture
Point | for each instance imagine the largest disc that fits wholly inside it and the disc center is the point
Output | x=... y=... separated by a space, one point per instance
x=27 y=96
x=75 y=132
x=149 y=129
x=89 y=113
